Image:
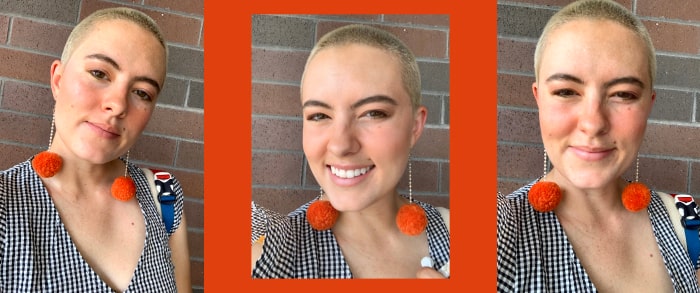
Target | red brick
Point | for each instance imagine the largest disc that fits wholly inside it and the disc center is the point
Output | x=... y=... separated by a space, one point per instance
x=424 y=43
x=520 y=162
x=670 y=9
x=433 y=143
x=666 y=175
x=426 y=19
x=176 y=28
x=276 y=169
x=154 y=149
x=671 y=140
x=425 y=178
x=194 y=213
x=370 y=17
x=195 y=243
x=516 y=55
x=27 y=98
x=445 y=178
x=274 y=99
x=190 y=6
x=197 y=273
x=274 y=65
x=518 y=126
x=192 y=183
x=516 y=90
x=562 y=3
x=25 y=129
x=190 y=155
x=674 y=37
x=276 y=134
x=179 y=123
x=4 y=28
x=25 y=66
x=508 y=186
x=44 y=37
x=283 y=200
x=19 y=154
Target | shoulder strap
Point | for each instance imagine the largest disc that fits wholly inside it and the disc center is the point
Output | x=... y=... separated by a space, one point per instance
x=683 y=212
x=162 y=192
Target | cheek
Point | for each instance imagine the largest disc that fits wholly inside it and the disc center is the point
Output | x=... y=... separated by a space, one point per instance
x=311 y=143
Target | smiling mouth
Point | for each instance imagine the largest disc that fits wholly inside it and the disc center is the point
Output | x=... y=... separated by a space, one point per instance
x=348 y=174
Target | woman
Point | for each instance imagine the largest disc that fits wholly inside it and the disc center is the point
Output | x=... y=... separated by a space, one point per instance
x=594 y=70
x=77 y=218
x=360 y=96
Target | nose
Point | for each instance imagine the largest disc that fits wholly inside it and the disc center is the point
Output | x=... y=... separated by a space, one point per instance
x=116 y=101
x=594 y=117
x=343 y=139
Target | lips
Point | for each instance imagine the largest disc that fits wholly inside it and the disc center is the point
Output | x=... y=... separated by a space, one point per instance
x=350 y=173
x=104 y=130
x=591 y=153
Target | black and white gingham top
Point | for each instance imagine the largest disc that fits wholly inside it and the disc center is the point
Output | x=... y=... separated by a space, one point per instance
x=36 y=251
x=534 y=254
x=293 y=249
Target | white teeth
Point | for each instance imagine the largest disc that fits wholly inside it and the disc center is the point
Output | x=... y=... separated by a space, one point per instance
x=348 y=173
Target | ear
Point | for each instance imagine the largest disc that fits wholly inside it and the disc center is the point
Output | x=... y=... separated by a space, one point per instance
x=534 y=90
x=418 y=124
x=56 y=74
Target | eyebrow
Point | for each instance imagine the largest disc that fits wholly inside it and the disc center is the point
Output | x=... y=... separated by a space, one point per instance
x=114 y=64
x=626 y=79
x=360 y=103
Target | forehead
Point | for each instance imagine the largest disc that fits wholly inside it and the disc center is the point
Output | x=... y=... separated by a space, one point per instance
x=124 y=41
x=352 y=68
x=589 y=44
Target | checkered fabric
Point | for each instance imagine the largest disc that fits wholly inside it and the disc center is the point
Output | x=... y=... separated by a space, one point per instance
x=534 y=254
x=293 y=249
x=36 y=251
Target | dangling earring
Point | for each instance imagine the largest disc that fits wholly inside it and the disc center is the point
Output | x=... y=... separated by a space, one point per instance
x=636 y=195
x=123 y=187
x=320 y=214
x=544 y=196
x=411 y=218
x=47 y=163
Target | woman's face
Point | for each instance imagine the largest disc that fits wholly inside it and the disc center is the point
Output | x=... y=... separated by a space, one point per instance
x=594 y=96
x=106 y=91
x=359 y=125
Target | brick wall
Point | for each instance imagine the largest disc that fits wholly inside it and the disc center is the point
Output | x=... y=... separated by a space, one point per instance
x=32 y=34
x=280 y=46
x=669 y=157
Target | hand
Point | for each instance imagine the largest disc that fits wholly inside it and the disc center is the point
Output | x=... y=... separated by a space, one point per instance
x=429 y=273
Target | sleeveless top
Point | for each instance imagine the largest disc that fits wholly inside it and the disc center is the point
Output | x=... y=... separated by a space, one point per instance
x=534 y=254
x=38 y=255
x=292 y=249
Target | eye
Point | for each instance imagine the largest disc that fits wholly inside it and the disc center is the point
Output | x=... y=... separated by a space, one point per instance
x=143 y=95
x=316 y=117
x=375 y=114
x=564 y=93
x=98 y=74
x=625 y=95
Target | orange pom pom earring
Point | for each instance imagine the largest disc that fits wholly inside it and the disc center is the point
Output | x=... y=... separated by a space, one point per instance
x=321 y=215
x=410 y=219
x=544 y=196
x=47 y=164
x=123 y=187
